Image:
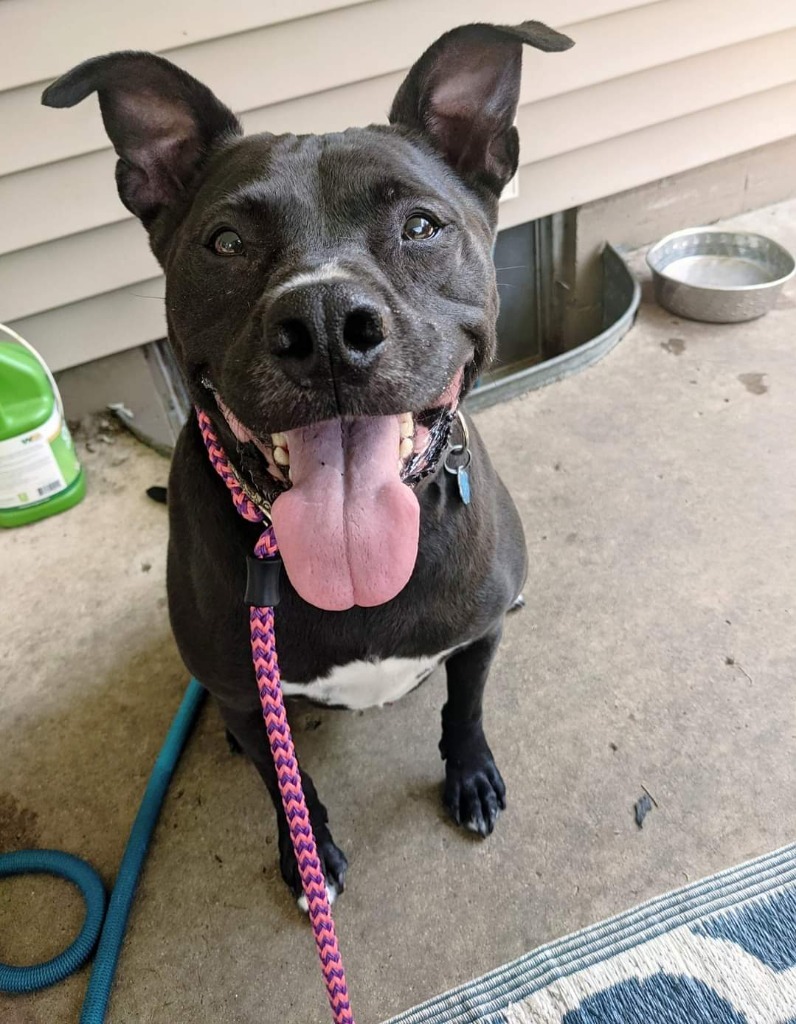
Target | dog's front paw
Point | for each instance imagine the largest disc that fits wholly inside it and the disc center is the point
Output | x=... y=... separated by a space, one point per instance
x=475 y=793
x=333 y=862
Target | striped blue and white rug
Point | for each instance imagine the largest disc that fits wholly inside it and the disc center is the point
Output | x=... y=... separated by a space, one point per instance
x=721 y=951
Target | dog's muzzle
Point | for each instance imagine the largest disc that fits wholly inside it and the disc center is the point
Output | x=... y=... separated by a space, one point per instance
x=341 y=496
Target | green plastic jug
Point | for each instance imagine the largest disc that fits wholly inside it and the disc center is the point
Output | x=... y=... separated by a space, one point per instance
x=39 y=470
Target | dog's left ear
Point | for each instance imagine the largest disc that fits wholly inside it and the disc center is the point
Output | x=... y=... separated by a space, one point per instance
x=462 y=96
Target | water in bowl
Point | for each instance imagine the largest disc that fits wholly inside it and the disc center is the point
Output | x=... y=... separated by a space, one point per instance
x=717 y=271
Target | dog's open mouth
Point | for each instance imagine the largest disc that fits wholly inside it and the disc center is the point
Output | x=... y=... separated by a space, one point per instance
x=345 y=514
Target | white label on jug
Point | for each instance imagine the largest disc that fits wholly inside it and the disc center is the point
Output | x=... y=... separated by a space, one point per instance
x=29 y=472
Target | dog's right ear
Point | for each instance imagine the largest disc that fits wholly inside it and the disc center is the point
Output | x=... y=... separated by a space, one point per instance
x=161 y=121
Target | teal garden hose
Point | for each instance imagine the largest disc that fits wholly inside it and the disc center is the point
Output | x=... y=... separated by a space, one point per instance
x=111 y=931
x=63 y=865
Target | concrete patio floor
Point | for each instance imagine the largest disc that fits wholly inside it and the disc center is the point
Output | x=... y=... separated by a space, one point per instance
x=658 y=492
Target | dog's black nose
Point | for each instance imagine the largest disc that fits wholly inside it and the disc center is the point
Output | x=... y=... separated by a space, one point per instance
x=316 y=327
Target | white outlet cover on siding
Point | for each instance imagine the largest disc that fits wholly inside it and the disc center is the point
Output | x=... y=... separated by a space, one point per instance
x=512 y=190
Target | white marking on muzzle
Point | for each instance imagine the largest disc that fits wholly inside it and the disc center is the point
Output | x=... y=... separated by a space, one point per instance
x=330 y=271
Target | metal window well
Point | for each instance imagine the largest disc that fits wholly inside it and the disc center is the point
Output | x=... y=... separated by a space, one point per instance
x=525 y=327
x=621 y=298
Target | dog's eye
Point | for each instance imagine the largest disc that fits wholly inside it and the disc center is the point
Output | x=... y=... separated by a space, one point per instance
x=227 y=242
x=419 y=228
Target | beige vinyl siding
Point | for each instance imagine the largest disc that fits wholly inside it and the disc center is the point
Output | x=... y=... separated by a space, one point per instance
x=99 y=326
x=44 y=43
x=278 y=63
x=649 y=90
x=659 y=151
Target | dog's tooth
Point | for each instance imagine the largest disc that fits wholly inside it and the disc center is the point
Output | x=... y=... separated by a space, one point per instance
x=281 y=457
x=407 y=427
x=406 y=447
x=279 y=440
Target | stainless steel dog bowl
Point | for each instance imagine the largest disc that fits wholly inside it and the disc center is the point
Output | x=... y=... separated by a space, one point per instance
x=718 y=276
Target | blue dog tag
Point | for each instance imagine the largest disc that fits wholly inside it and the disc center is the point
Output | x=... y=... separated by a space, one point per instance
x=461 y=472
x=463 y=480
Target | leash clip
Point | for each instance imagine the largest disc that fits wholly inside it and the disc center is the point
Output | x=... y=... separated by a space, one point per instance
x=262 y=581
x=461 y=471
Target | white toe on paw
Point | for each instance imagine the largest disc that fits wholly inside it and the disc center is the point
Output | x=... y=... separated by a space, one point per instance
x=471 y=825
x=331 y=896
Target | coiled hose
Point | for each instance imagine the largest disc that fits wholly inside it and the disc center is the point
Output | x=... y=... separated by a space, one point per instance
x=64 y=865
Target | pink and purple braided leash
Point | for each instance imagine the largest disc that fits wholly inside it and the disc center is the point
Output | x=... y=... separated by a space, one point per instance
x=266 y=670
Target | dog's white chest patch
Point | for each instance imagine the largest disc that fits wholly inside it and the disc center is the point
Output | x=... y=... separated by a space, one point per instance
x=367 y=684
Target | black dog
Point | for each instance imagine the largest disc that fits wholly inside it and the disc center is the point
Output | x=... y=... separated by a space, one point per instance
x=330 y=300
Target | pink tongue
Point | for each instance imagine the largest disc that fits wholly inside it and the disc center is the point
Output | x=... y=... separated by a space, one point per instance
x=347 y=528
